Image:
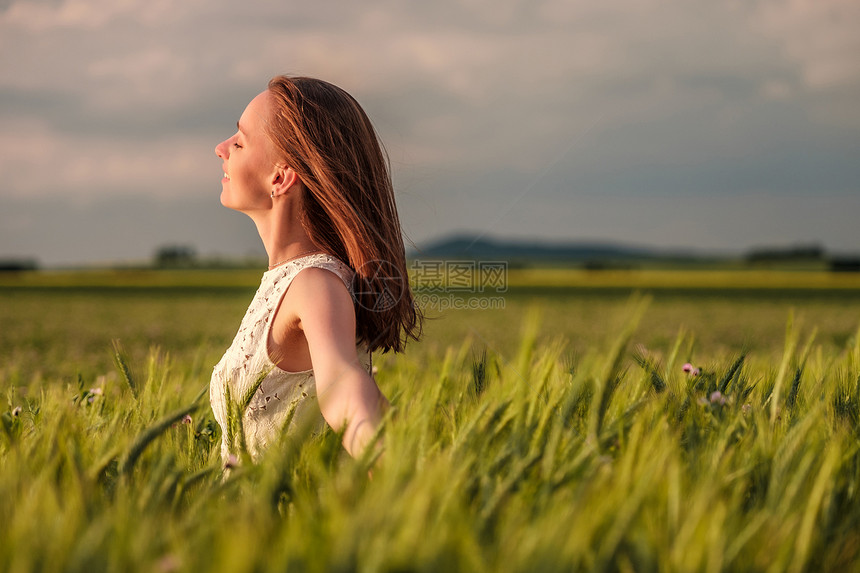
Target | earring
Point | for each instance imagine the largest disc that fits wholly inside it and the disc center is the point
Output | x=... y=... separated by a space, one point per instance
x=273 y=194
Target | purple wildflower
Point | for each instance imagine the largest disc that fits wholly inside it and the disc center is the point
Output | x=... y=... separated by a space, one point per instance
x=687 y=367
x=168 y=564
x=93 y=393
x=717 y=398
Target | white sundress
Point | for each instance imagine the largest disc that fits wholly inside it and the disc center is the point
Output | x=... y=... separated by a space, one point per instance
x=281 y=395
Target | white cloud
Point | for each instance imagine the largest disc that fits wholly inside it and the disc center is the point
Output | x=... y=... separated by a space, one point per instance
x=104 y=97
x=42 y=17
x=820 y=37
x=37 y=161
x=91 y=15
x=144 y=80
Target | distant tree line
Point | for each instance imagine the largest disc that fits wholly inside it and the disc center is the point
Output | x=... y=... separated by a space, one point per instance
x=175 y=256
x=804 y=253
x=845 y=265
x=15 y=265
x=794 y=253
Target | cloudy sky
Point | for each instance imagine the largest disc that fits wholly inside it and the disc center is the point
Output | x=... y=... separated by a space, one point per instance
x=716 y=126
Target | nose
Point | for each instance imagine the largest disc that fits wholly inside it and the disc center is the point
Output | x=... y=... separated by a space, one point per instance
x=222 y=150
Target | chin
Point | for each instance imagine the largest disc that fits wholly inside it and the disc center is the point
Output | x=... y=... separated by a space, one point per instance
x=227 y=201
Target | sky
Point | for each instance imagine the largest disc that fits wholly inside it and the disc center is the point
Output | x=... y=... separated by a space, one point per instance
x=684 y=124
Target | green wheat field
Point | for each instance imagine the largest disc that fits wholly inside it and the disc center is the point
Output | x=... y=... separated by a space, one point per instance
x=559 y=433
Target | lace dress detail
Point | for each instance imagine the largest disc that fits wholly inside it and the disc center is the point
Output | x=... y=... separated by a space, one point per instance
x=280 y=396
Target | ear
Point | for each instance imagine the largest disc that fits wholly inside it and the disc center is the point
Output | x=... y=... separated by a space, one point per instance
x=283 y=180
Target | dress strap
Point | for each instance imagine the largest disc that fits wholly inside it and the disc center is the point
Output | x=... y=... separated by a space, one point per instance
x=327 y=262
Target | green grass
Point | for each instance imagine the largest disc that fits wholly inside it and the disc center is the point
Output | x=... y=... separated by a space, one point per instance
x=560 y=433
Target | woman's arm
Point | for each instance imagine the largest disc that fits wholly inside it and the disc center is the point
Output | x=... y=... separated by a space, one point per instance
x=349 y=398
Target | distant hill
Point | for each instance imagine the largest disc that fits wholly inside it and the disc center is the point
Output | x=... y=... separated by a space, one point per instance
x=471 y=247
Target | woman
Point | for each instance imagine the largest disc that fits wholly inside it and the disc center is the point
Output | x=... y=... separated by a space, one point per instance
x=307 y=167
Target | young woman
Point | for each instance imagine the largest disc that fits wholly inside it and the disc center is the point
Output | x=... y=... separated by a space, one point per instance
x=306 y=166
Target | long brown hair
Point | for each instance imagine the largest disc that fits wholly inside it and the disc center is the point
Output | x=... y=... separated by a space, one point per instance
x=348 y=207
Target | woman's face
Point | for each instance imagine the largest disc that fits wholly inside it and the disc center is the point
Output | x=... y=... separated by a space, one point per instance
x=249 y=160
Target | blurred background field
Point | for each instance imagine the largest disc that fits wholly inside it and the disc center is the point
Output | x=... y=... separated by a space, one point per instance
x=557 y=432
x=57 y=324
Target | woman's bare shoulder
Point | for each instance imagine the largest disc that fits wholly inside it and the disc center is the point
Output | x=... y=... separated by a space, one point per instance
x=316 y=289
x=310 y=278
